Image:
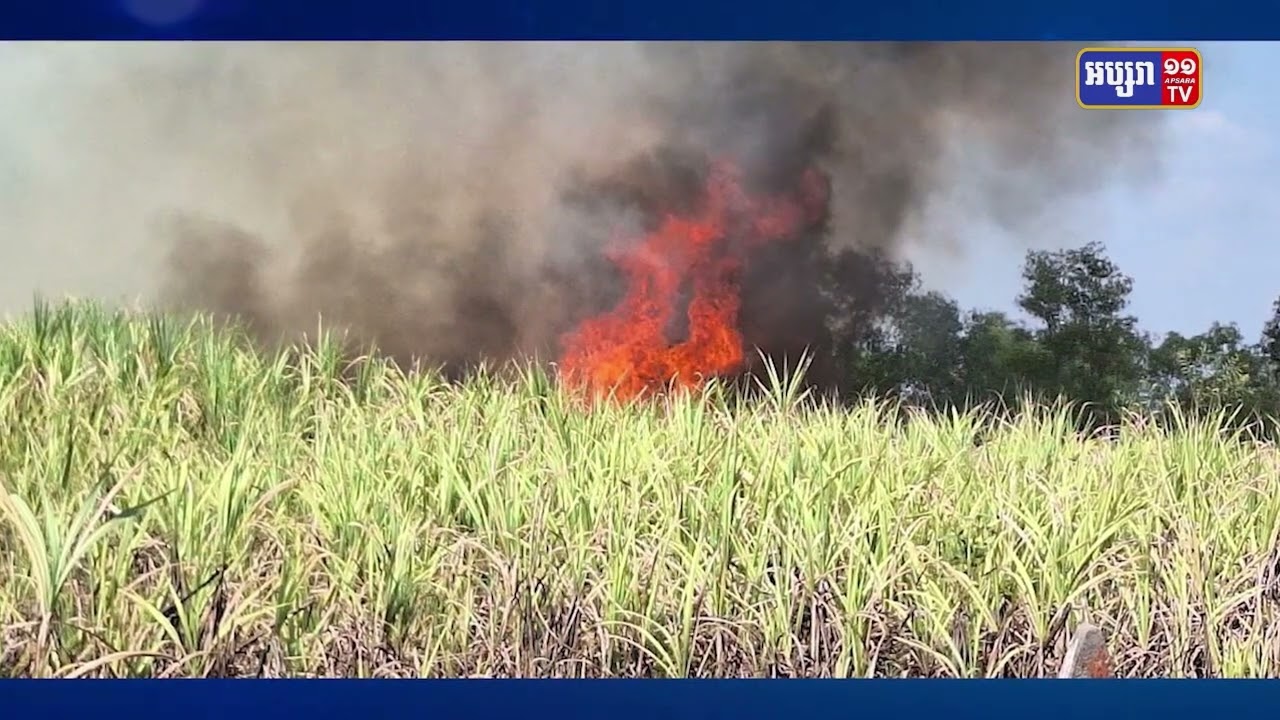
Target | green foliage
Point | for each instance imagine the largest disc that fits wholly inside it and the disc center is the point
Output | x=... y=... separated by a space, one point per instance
x=1081 y=346
x=174 y=503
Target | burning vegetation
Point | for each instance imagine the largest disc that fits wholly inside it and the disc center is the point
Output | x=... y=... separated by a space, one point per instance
x=639 y=214
x=677 y=322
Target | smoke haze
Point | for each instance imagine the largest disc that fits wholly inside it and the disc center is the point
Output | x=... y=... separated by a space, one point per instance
x=450 y=201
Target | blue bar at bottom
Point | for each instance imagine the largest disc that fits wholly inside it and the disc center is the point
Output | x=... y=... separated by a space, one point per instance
x=641 y=699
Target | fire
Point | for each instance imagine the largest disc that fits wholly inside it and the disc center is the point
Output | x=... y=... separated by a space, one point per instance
x=628 y=351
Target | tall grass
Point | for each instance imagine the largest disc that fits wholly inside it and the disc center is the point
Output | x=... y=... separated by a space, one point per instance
x=176 y=504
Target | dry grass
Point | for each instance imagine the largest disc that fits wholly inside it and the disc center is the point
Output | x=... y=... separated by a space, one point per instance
x=175 y=504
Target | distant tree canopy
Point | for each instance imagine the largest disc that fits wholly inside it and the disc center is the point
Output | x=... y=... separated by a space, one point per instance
x=1080 y=344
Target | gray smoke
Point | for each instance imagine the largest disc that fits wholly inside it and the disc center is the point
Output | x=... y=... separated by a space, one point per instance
x=449 y=201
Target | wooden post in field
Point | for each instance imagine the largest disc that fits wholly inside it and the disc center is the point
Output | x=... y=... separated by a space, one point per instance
x=1087 y=655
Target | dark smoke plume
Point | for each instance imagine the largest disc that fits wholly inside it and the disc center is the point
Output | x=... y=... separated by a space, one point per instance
x=449 y=202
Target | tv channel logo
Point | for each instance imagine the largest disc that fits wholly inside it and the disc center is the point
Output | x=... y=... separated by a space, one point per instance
x=1139 y=78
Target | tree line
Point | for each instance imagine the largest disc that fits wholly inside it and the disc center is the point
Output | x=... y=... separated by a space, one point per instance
x=1080 y=344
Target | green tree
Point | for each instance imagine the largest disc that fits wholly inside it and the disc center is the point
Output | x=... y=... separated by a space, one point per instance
x=1208 y=371
x=1271 y=338
x=927 y=328
x=913 y=349
x=1093 y=351
x=1001 y=359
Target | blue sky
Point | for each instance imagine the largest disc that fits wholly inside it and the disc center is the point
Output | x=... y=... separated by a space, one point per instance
x=1200 y=239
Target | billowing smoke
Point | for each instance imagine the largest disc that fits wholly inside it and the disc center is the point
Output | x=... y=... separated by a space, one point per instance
x=450 y=202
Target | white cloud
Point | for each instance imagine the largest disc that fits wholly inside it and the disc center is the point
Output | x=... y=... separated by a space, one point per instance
x=1214 y=126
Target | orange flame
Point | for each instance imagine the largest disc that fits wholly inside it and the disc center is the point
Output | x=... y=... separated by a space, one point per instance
x=626 y=351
